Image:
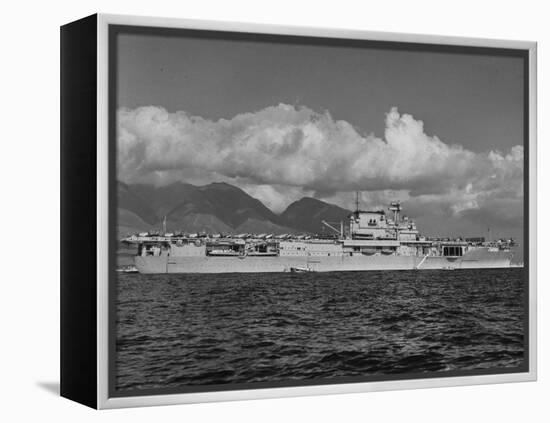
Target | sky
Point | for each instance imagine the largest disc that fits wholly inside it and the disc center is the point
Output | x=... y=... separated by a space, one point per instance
x=443 y=132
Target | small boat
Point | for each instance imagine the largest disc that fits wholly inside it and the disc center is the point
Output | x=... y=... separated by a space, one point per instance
x=301 y=270
x=127 y=269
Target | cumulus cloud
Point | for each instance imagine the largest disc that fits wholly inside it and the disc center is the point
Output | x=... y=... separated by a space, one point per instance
x=283 y=152
x=288 y=146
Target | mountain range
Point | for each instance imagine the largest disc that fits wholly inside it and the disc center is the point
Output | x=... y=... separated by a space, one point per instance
x=214 y=208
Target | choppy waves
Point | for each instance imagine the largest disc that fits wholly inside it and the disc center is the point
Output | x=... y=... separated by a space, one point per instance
x=186 y=330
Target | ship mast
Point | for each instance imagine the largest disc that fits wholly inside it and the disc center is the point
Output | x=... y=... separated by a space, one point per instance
x=395 y=207
x=357 y=201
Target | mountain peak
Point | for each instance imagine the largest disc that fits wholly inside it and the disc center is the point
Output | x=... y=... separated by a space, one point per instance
x=220 y=186
x=310 y=200
x=308 y=214
x=220 y=207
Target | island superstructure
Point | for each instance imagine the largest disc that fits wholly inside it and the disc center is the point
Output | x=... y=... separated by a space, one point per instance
x=371 y=240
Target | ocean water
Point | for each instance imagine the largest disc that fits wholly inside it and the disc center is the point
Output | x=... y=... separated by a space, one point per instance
x=189 y=330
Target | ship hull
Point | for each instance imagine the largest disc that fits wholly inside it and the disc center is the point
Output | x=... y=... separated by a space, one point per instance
x=478 y=259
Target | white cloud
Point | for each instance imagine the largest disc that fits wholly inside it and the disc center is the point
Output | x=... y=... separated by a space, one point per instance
x=275 y=197
x=283 y=152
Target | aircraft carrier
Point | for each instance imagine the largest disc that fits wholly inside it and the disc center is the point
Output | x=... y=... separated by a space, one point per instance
x=370 y=240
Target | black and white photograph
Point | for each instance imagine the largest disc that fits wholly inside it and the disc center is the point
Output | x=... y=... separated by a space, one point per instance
x=294 y=211
x=275 y=212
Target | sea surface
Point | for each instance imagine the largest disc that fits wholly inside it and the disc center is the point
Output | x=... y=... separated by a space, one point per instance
x=188 y=330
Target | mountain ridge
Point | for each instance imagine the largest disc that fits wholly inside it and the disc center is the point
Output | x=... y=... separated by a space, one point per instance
x=216 y=207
